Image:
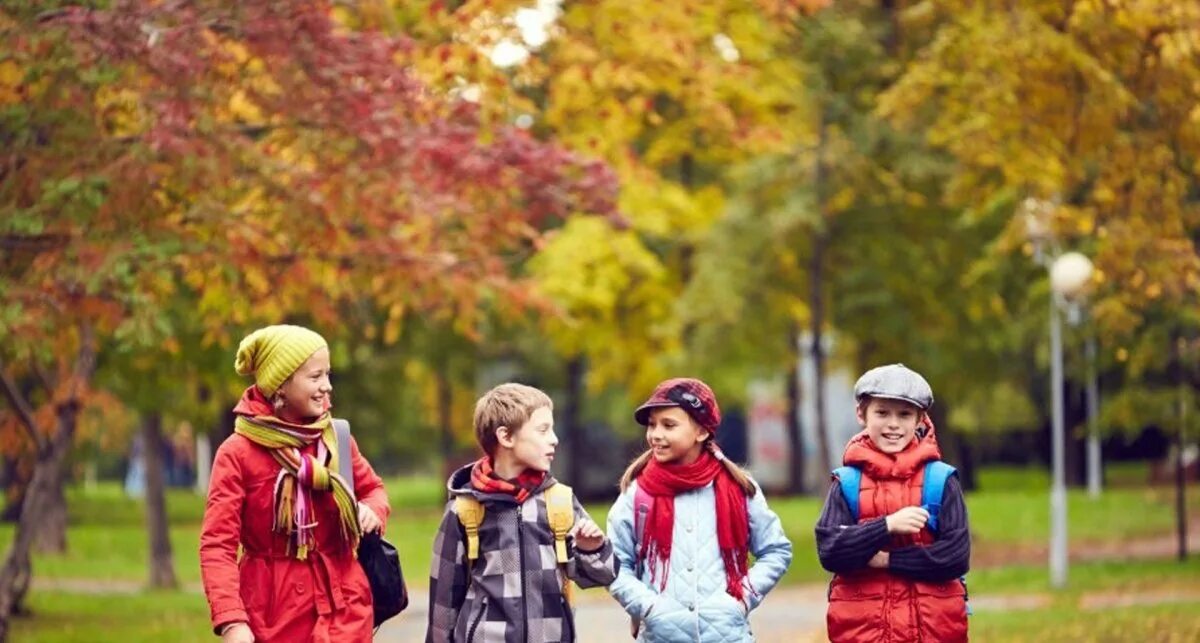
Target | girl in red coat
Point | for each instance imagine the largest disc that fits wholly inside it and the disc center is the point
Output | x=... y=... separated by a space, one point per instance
x=275 y=492
x=896 y=576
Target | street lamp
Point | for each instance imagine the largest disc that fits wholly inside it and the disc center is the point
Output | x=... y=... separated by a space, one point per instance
x=1069 y=276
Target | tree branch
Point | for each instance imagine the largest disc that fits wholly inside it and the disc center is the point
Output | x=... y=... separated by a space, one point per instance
x=19 y=404
x=45 y=377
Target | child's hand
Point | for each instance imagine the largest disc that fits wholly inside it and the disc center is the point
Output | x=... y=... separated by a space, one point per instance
x=237 y=633
x=908 y=520
x=588 y=536
x=880 y=560
x=367 y=519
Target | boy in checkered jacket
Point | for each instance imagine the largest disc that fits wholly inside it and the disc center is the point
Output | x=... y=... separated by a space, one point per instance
x=513 y=589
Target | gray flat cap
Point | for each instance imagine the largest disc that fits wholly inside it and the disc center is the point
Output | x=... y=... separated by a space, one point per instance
x=894 y=382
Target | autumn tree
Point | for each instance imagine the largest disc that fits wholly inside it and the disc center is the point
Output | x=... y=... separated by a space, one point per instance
x=262 y=163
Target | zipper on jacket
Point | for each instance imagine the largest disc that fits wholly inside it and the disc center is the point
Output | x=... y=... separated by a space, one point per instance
x=524 y=598
x=478 y=617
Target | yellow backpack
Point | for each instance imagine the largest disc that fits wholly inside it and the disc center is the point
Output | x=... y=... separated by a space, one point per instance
x=560 y=511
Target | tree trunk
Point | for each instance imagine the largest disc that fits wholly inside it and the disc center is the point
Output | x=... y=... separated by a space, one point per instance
x=15 y=481
x=818 y=357
x=1181 y=519
x=573 y=438
x=51 y=537
x=816 y=288
x=796 y=481
x=47 y=474
x=47 y=477
x=162 y=566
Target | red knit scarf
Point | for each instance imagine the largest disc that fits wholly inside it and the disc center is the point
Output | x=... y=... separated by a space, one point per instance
x=663 y=482
x=484 y=478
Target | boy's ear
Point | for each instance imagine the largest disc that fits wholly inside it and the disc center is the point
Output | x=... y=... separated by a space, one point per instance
x=860 y=413
x=504 y=436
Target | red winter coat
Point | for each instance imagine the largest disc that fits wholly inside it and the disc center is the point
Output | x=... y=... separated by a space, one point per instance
x=874 y=605
x=323 y=598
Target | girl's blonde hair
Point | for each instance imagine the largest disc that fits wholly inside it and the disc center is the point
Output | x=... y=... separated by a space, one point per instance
x=739 y=475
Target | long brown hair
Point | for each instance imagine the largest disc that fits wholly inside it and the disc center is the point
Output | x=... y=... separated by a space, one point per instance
x=739 y=475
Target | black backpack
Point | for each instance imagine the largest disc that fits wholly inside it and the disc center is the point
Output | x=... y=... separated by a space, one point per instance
x=379 y=559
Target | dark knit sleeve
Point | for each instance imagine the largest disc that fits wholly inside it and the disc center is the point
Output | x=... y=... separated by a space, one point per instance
x=950 y=555
x=842 y=545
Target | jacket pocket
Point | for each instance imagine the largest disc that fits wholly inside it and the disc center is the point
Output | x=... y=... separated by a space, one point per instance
x=724 y=612
x=855 y=611
x=476 y=620
x=664 y=620
x=942 y=607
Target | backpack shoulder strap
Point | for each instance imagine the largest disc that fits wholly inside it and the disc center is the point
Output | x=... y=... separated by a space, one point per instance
x=470 y=515
x=850 y=479
x=936 y=474
x=341 y=430
x=642 y=501
x=560 y=512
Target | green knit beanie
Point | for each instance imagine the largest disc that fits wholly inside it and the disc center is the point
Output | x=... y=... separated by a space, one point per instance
x=273 y=353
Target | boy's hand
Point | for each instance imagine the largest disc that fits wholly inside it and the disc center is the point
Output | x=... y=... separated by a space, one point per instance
x=908 y=520
x=880 y=560
x=588 y=536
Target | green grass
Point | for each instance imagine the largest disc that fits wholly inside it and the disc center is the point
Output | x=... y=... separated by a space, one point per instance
x=179 y=617
x=1168 y=623
x=1153 y=575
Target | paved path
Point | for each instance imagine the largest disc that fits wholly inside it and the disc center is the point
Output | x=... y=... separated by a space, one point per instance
x=789 y=615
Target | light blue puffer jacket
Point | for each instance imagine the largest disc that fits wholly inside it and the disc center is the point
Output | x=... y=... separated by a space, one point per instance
x=695 y=606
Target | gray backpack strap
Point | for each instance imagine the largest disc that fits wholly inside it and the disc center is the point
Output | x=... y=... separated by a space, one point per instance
x=341 y=429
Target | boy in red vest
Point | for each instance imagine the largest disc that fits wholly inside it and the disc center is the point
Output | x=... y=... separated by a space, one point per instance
x=899 y=545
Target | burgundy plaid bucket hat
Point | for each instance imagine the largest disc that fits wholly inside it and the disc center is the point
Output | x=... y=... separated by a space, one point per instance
x=689 y=394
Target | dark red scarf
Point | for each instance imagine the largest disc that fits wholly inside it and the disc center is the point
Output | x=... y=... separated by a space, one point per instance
x=484 y=478
x=663 y=482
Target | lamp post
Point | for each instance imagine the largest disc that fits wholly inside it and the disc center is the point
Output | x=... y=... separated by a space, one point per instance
x=1069 y=275
x=1093 y=414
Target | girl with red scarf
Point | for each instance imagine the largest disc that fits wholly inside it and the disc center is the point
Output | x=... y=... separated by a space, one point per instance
x=686 y=522
x=276 y=494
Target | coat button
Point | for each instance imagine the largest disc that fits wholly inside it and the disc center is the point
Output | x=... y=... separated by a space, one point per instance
x=691 y=567
x=299 y=588
x=691 y=607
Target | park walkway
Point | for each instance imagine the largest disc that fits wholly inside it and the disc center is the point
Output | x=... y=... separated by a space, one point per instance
x=789 y=615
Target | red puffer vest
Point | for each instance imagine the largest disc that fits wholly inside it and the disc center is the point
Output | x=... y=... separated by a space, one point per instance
x=874 y=605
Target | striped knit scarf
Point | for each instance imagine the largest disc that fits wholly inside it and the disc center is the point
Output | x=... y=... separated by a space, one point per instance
x=301 y=474
x=484 y=478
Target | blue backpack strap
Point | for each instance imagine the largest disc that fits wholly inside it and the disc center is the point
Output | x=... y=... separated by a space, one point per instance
x=936 y=474
x=850 y=479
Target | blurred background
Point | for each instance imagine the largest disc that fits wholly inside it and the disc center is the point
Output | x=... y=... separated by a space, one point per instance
x=771 y=195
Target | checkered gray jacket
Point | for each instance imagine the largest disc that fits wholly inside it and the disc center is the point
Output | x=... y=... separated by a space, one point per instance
x=515 y=590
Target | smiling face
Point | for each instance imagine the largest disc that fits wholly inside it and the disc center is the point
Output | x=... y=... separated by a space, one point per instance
x=306 y=394
x=673 y=436
x=531 y=446
x=891 y=424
